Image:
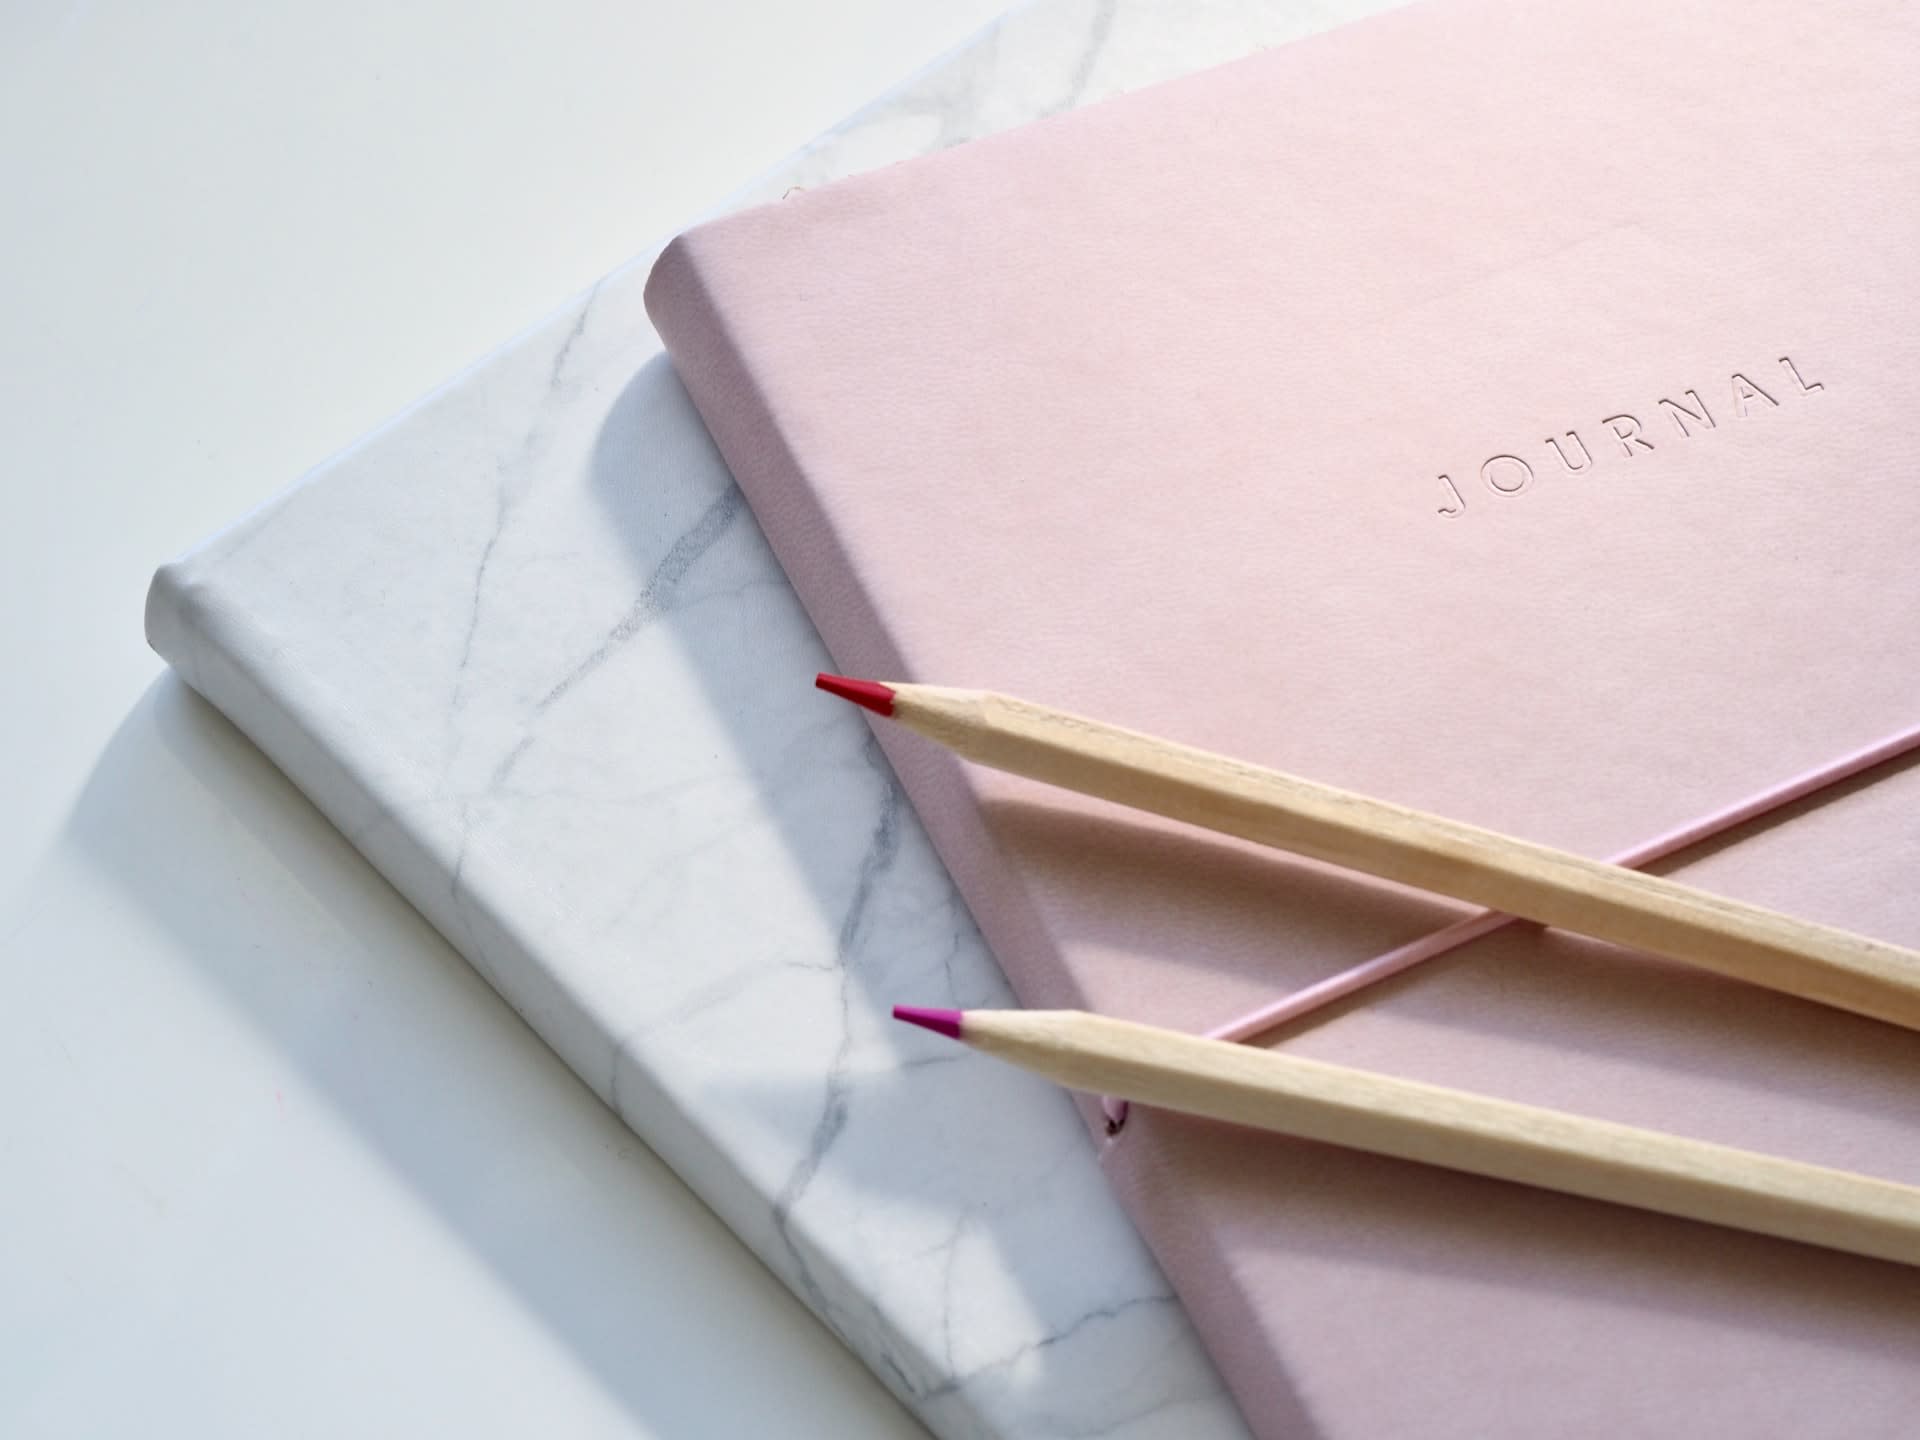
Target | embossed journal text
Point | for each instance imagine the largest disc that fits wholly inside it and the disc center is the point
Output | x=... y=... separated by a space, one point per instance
x=1621 y=438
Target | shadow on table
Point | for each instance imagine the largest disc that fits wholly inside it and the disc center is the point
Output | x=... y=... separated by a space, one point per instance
x=440 y=1078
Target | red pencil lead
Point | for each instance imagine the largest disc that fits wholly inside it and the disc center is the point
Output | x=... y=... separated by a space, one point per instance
x=870 y=693
x=941 y=1022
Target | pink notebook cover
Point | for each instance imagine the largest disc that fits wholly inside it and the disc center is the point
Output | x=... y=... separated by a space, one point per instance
x=1144 y=411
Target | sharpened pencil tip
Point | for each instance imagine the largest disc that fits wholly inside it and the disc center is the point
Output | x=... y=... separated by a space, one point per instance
x=870 y=693
x=941 y=1022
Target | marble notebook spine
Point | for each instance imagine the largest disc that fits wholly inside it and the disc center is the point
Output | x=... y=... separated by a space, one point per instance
x=217 y=645
x=206 y=631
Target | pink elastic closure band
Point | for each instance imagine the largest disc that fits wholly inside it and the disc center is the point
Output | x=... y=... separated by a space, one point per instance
x=1405 y=957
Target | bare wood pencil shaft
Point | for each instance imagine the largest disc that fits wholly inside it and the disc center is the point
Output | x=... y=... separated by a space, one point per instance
x=1429 y=852
x=1459 y=1131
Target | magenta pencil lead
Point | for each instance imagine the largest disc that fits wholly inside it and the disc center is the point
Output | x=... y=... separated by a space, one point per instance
x=941 y=1022
x=868 y=693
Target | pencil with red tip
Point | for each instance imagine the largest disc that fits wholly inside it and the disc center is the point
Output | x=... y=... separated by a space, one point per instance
x=1429 y=852
x=1410 y=1120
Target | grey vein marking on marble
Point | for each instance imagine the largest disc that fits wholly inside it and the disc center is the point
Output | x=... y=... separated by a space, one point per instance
x=658 y=594
x=1098 y=34
x=515 y=477
x=882 y=849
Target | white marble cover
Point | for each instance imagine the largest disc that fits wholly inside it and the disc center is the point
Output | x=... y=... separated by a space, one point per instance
x=527 y=648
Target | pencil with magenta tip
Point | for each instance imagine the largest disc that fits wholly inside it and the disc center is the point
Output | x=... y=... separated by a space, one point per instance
x=1429 y=852
x=1411 y=1120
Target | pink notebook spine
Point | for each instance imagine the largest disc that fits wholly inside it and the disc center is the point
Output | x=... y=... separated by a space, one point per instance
x=744 y=422
x=1200 y=1267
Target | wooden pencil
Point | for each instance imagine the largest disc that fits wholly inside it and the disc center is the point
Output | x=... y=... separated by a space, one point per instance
x=1450 y=1128
x=1429 y=852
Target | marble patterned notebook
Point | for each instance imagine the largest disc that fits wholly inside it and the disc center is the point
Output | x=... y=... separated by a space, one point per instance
x=526 y=647
x=1502 y=409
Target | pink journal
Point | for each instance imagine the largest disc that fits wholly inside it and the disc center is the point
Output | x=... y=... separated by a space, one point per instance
x=1505 y=409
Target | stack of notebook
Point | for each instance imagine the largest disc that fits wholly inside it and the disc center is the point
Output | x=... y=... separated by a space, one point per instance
x=526 y=647
x=1499 y=409
x=1495 y=408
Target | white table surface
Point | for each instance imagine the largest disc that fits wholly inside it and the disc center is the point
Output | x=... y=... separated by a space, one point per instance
x=272 y=1159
